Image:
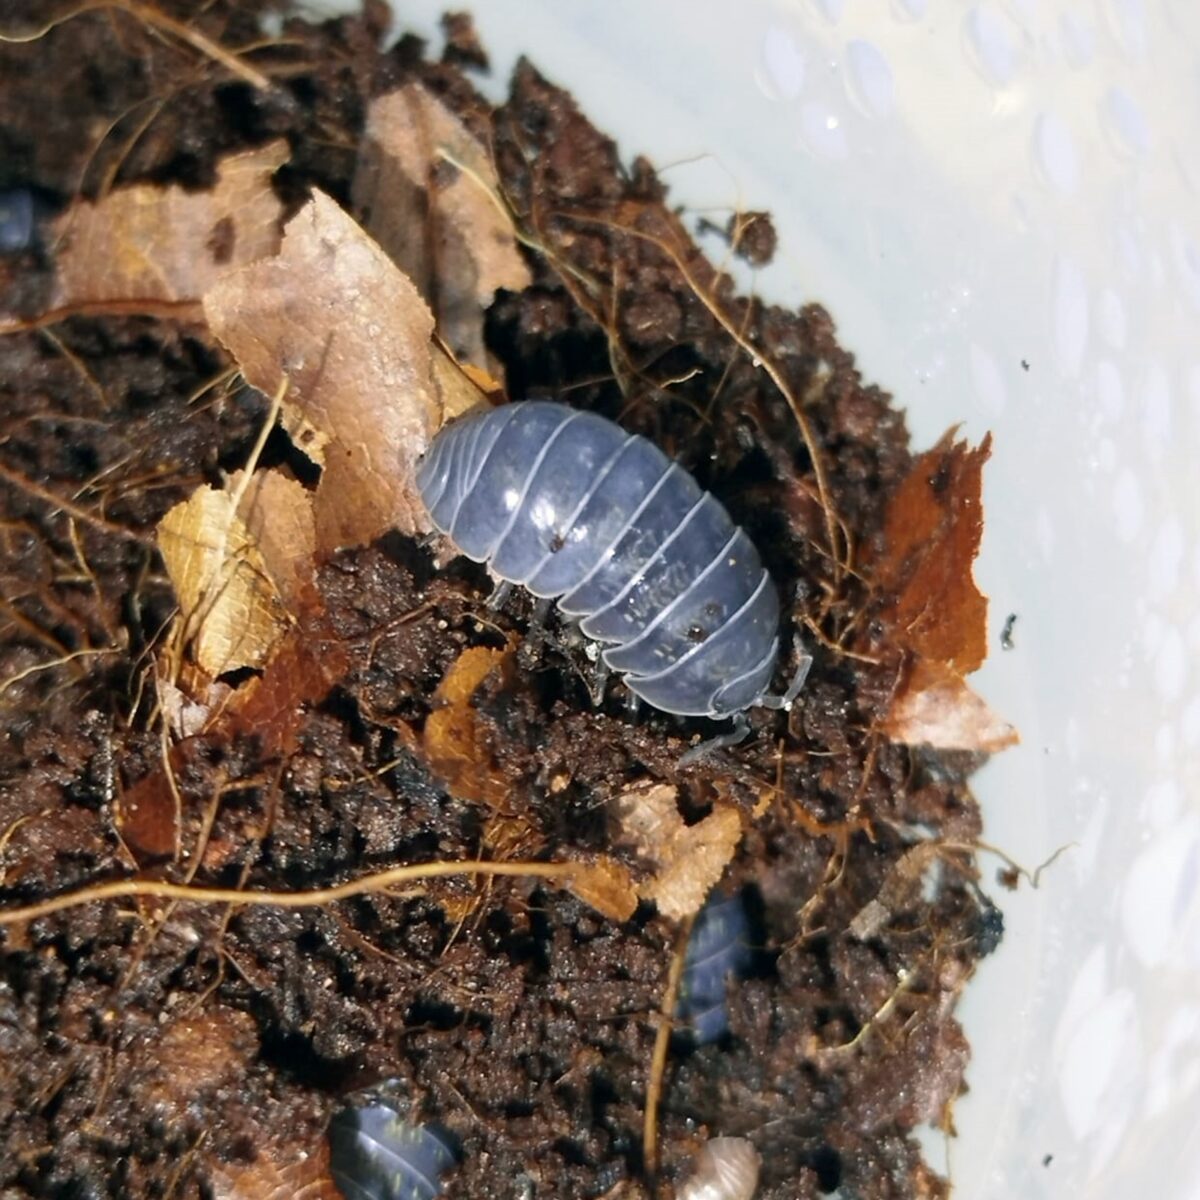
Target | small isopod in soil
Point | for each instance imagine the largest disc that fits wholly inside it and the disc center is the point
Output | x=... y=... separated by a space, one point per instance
x=16 y=220
x=725 y=1169
x=718 y=947
x=570 y=506
x=374 y=1154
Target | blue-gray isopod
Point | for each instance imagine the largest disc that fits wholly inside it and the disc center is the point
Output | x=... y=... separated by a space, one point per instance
x=719 y=946
x=375 y=1154
x=570 y=506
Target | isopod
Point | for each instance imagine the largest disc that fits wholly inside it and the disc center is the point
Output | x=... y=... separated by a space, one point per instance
x=726 y=1169
x=571 y=507
x=717 y=948
x=374 y=1154
x=17 y=219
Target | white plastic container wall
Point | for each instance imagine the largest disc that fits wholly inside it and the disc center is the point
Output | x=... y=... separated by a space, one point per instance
x=1000 y=204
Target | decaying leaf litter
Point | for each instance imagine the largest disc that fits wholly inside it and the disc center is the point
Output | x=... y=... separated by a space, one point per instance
x=229 y=664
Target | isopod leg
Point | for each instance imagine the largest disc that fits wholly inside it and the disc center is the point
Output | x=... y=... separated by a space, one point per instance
x=599 y=682
x=793 y=689
x=500 y=594
x=741 y=727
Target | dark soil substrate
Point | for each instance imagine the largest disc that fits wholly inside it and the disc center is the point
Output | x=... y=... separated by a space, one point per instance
x=152 y=1051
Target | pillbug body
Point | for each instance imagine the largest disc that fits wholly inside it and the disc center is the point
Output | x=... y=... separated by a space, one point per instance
x=717 y=948
x=572 y=507
x=375 y=1154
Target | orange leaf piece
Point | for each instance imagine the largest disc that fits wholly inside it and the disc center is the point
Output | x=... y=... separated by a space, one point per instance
x=931 y=537
x=456 y=744
x=606 y=886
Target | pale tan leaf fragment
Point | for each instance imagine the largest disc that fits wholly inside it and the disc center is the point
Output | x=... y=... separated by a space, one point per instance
x=460 y=386
x=335 y=317
x=430 y=195
x=232 y=612
x=935 y=707
x=278 y=514
x=280 y=1171
x=606 y=886
x=165 y=244
x=688 y=859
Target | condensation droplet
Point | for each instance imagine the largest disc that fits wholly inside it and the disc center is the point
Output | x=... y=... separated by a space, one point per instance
x=1127 y=505
x=1054 y=153
x=1078 y=41
x=1110 y=393
x=831 y=10
x=989 y=383
x=1156 y=411
x=909 y=10
x=823 y=132
x=990 y=37
x=1110 y=316
x=1070 y=316
x=869 y=80
x=1124 y=122
x=1170 y=665
x=1166 y=559
x=783 y=64
x=1128 y=23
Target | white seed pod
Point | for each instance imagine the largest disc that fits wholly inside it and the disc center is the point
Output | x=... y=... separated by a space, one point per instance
x=726 y=1169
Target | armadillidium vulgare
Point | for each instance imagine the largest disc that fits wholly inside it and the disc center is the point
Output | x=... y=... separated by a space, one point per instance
x=17 y=220
x=725 y=1169
x=572 y=507
x=374 y=1154
x=717 y=948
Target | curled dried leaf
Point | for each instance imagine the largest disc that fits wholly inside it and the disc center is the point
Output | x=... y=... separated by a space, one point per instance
x=457 y=745
x=429 y=192
x=931 y=537
x=688 y=860
x=333 y=315
x=165 y=244
x=606 y=886
x=231 y=613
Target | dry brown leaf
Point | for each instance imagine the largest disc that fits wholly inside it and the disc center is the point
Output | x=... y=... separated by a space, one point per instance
x=281 y=1171
x=935 y=707
x=442 y=225
x=230 y=609
x=456 y=746
x=272 y=707
x=461 y=386
x=350 y=333
x=606 y=886
x=278 y=514
x=165 y=244
x=688 y=859
x=931 y=537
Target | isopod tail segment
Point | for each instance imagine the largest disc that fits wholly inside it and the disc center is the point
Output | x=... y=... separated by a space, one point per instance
x=740 y=728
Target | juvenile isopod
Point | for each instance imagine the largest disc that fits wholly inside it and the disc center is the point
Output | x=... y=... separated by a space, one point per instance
x=375 y=1154
x=725 y=1169
x=17 y=220
x=571 y=507
x=717 y=948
